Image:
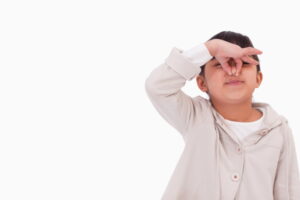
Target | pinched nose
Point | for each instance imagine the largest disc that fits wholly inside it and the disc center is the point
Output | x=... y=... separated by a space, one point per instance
x=233 y=69
x=233 y=66
x=232 y=63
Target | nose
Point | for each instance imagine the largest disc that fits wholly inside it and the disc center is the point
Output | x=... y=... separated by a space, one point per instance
x=233 y=66
x=232 y=63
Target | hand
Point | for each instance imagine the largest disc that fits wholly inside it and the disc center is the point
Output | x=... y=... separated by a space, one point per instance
x=223 y=51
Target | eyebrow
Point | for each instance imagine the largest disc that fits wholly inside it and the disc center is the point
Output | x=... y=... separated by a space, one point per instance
x=214 y=60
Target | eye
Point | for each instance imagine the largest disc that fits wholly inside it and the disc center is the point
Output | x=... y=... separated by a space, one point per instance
x=217 y=65
x=245 y=63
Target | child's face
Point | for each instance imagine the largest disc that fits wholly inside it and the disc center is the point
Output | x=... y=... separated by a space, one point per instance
x=219 y=86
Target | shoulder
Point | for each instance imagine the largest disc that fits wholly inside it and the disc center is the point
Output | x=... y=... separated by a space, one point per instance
x=202 y=101
x=203 y=108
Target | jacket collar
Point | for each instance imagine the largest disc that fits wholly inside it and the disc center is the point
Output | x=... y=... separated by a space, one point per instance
x=271 y=120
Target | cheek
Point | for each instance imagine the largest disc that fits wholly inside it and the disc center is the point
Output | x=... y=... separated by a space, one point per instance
x=215 y=78
x=252 y=78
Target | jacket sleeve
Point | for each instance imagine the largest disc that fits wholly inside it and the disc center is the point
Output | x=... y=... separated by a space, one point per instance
x=287 y=182
x=163 y=87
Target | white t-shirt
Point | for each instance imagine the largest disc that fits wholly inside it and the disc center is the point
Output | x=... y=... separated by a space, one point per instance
x=243 y=129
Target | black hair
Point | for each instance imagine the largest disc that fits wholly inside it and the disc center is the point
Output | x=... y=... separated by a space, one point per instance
x=235 y=38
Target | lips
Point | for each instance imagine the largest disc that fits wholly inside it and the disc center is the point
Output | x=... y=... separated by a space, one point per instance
x=234 y=82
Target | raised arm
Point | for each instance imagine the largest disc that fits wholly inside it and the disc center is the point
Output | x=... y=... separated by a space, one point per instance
x=164 y=84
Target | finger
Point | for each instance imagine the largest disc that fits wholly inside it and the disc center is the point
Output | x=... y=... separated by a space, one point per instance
x=239 y=64
x=224 y=63
x=226 y=68
x=233 y=70
x=250 y=60
x=251 y=51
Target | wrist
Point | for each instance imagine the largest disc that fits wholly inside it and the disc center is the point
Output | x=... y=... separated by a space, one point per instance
x=211 y=46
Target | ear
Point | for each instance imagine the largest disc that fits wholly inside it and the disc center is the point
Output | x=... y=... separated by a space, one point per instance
x=201 y=82
x=259 y=78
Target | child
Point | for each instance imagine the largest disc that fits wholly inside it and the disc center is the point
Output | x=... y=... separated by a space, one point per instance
x=234 y=148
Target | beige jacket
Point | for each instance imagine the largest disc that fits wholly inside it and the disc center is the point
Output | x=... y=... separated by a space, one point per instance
x=215 y=165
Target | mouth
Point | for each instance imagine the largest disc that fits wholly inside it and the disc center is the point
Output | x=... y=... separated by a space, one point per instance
x=234 y=82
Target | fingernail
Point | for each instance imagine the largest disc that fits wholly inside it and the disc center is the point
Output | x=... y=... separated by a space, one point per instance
x=234 y=70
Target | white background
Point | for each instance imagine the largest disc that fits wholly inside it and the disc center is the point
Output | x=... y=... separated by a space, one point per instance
x=75 y=121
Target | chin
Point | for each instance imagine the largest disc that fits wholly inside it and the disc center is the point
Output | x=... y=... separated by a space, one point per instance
x=236 y=99
x=232 y=97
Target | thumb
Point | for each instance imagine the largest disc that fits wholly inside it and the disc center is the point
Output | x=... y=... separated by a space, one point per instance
x=239 y=64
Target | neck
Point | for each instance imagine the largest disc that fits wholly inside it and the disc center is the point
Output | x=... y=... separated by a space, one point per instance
x=241 y=112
